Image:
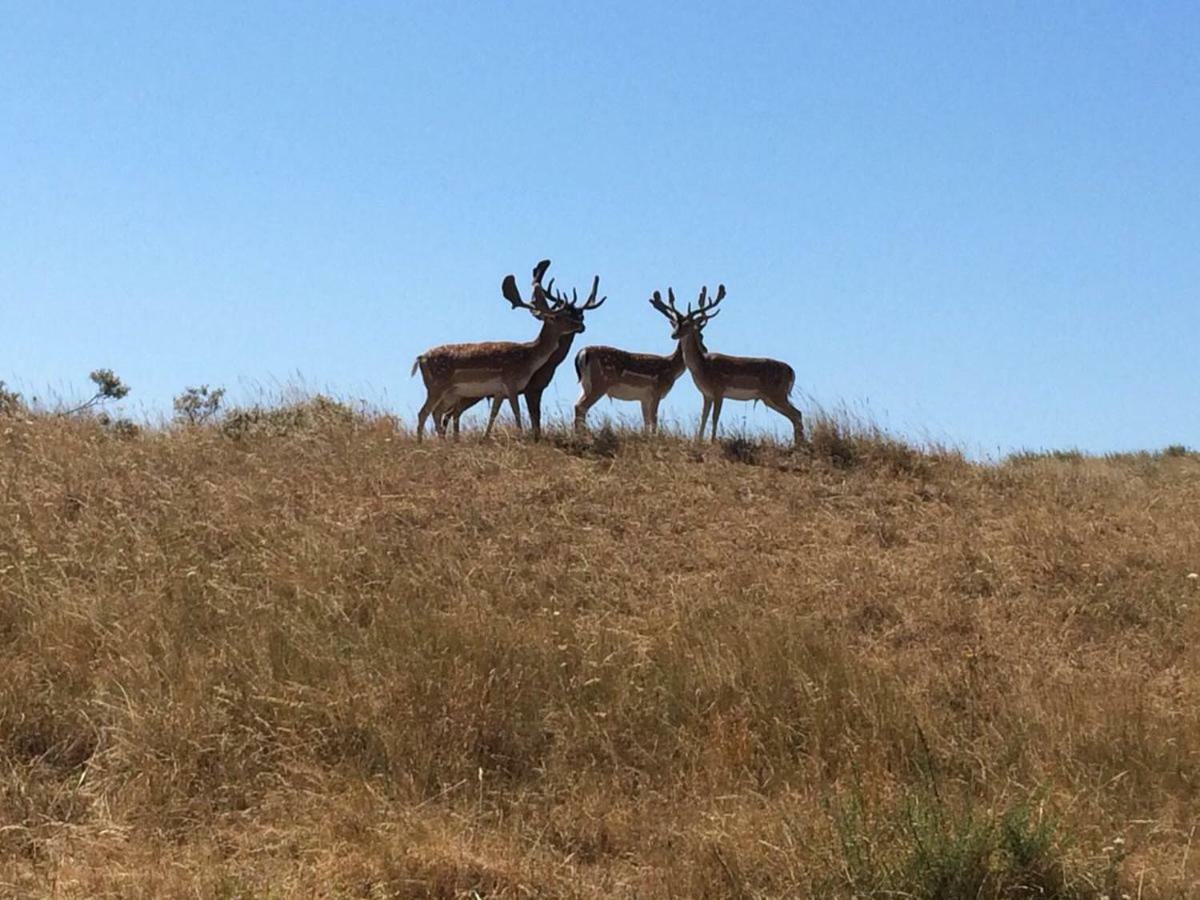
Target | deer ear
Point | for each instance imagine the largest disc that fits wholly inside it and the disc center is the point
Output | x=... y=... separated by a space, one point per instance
x=509 y=289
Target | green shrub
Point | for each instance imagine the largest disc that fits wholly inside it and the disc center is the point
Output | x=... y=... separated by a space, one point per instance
x=11 y=402
x=198 y=405
x=108 y=387
x=1032 y=456
x=291 y=418
x=925 y=845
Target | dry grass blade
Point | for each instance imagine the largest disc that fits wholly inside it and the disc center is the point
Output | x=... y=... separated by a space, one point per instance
x=293 y=652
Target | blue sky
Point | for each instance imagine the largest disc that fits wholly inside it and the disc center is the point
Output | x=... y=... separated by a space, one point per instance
x=978 y=222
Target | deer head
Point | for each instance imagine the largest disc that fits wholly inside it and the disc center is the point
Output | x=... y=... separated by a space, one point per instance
x=552 y=308
x=691 y=321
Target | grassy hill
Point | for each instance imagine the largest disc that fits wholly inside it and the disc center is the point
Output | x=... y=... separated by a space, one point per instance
x=297 y=653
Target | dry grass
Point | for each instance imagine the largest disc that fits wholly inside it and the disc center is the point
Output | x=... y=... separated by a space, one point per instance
x=302 y=655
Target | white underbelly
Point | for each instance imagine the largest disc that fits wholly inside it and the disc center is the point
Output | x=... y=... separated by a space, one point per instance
x=741 y=394
x=483 y=388
x=631 y=392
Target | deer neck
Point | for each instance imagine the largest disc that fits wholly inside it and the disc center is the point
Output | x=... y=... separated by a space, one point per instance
x=693 y=354
x=677 y=364
x=545 y=344
x=563 y=347
x=545 y=372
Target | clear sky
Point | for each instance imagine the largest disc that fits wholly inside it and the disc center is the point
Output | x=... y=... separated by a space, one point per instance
x=979 y=222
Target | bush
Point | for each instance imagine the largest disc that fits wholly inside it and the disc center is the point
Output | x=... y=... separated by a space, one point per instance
x=925 y=846
x=278 y=421
x=11 y=402
x=1022 y=457
x=120 y=426
x=198 y=405
x=606 y=441
x=740 y=448
x=833 y=442
x=108 y=387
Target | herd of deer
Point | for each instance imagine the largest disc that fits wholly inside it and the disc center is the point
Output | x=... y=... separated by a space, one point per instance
x=457 y=376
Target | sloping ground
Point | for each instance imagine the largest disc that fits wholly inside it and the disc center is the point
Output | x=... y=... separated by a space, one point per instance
x=312 y=657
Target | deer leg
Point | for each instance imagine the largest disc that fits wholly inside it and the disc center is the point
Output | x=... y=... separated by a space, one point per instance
x=648 y=415
x=441 y=417
x=516 y=407
x=431 y=401
x=496 y=401
x=704 y=417
x=654 y=414
x=459 y=408
x=582 y=405
x=787 y=410
x=533 y=400
x=717 y=401
x=586 y=400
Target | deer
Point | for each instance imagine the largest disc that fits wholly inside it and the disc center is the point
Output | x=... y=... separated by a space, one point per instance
x=540 y=379
x=719 y=377
x=499 y=369
x=622 y=375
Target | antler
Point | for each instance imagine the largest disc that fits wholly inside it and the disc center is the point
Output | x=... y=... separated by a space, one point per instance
x=558 y=297
x=561 y=301
x=546 y=296
x=591 y=302
x=673 y=315
x=546 y=299
x=700 y=315
x=538 y=299
x=705 y=310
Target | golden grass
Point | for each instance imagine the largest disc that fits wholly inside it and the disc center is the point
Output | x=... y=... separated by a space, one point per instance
x=302 y=655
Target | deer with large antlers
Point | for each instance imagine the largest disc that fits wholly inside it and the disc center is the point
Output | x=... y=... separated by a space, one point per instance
x=719 y=377
x=622 y=375
x=454 y=373
x=540 y=380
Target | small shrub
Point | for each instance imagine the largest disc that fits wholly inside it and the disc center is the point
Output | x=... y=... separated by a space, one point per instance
x=198 y=405
x=741 y=449
x=120 y=426
x=292 y=418
x=603 y=442
x=108 y=387
x=1172 y=450
x=1022 y=457
x=11 y=402
x=830 y=441
x=926 y=846
x=606 y=442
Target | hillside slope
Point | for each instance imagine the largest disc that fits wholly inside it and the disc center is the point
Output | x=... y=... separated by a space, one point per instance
x=322 y=659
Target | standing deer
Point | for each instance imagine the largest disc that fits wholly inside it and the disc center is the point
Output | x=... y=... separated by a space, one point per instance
x=719 y=377
x=498 y=369
x=540 y=380
x=622 y=375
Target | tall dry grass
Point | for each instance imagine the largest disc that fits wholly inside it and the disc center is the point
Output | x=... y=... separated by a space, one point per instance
x=296 y=653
